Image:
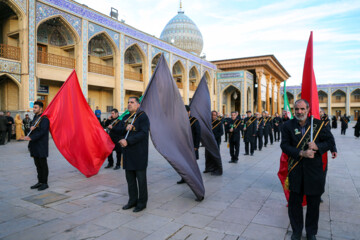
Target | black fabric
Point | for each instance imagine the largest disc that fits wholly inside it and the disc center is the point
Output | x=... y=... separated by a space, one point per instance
x=3 y=123
x=259 y=134
x=296 y=217
x=327 y=125
x=333 y=122
x=42 y=169
x=227 y=128
x=170 y=127
x=114 y=133
x=118 y=151
x=27 y=124
x=277 y=123
x=250 y=134
x=10 y=121
x=357 y=128
x=234 y=139
x=39 y=144
x=308 y=172
x=136 y=153
x=344 y=122
x=200 y=108
x=195 y=131
x=137 y=187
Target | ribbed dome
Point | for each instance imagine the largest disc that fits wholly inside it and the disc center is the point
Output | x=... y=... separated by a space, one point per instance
x=183 y=33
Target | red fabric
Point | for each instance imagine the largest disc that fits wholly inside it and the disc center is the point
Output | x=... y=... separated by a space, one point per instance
x=282 y=174
x=308 y=88
x=76 y=131
x=324 y=161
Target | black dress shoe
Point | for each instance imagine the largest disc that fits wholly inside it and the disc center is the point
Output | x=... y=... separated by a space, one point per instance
x=181 y=181
x=116 y=167
x=216 y=173
x=231 y=161
x=36 y=186
x=296 y=236
x=128 y=206
x=109 y=166
x=43 y=187
x=246 y=154
x=252 y=154
x=206 y=171
x=310 y=237
x=138 y=209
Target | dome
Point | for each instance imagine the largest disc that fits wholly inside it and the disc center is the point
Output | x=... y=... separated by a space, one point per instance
x=183 y=33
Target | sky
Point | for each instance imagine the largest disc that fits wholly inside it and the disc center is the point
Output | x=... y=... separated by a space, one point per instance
x=245 y=28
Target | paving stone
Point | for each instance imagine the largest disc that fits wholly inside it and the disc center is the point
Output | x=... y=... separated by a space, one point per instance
x=17 y=225
x=149 y=223
x=226 y=227
x=257 y=231
x=123 y=233
x=194 y=220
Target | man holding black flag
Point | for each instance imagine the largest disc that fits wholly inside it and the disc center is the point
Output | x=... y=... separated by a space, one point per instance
x=135 y=143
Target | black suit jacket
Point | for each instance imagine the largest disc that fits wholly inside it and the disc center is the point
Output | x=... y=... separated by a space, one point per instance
x=196 y=131
x=309 y=172
x=217 y=130
x=136 y=153
x=235 y=135
x=39 y=144
x=251 y=127
x=260 y=126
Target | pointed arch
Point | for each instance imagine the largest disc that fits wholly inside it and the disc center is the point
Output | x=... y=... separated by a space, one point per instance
x=11 y=77
x=134 y=69
x=65 y=22
x=16 y=8
x=154 y=61
x=339 y=92
x=9 y=92
x=194 y=78
x=178 y=73
x=355 y=91
x=108 y=38
x=290 y=97
x=138 y=48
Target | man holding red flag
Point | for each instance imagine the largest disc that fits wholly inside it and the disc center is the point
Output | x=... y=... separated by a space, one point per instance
x=306 y=141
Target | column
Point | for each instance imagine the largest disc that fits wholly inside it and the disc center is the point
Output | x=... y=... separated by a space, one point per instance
x=267 y=93
x=24 y=59
x=122 y=76
x=259 y=103
x=81 y=59
x=273 y=95
x=347 y=104
x=186 y=83
x=117 y=89
x=32 y=54
x=329 y=101
x=278 y=99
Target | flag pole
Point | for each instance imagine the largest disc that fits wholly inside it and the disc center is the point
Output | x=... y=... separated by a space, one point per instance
x=311 y=130
x=127 y=134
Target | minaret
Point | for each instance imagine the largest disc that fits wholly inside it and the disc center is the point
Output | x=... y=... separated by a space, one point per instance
x=180 y=10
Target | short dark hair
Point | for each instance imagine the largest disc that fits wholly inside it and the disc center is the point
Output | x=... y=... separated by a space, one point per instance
x=40 y=104
x=214 y=112
x=187 y=108
x=303 y=100
x=248 y=111
x=114 y=110
x=135 y=98
x=233 y=112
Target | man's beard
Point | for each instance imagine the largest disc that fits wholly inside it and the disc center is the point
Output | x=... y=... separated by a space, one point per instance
x=300 y=117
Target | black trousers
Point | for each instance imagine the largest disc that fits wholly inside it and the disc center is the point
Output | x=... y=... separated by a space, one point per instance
x=226 y=136
x=258 y=141
x=234 y=149
x=295 y=211
x=42 y=169
x=117 y=149
x=343 y=131
x=277 y=134
x=271 y=136
x=137 y=187
x=249 y=143
x=2 y=137
x=266 y=138
x=9 y=130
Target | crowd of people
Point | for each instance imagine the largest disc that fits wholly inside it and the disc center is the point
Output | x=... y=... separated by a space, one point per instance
x=11 y=128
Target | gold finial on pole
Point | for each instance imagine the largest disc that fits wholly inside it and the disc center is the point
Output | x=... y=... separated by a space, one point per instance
x=180 y=5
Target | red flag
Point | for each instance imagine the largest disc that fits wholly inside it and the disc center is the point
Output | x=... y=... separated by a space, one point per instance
x=308 y=88
x=76 y=131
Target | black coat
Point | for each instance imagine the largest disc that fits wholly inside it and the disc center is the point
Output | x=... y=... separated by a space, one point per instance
x=268 y=125
x=218 y=130
x=235 y=135
x=260 y=126
x=136 y=153
x=357 y=128
x=333 y=122
x=344 y=122
x=227 y=124
x=10 y=119
x=196 y=131
x=251 y=127
x=3 y=123
x=39 y=144
x=279 y=122
x=115 y=132
x=309 y=172
x=326 y=120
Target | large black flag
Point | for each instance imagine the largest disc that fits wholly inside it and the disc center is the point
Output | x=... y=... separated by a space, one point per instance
x=200 y=108
x=170 y=127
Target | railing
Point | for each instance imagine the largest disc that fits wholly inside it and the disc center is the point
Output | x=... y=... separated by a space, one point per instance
x=179 y=84
x=55 y=60
x=133 y=75
x=101 y=69
x=9 y=52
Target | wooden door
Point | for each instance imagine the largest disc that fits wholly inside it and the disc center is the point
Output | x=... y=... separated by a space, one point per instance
x=43 y=99
x=42 y=53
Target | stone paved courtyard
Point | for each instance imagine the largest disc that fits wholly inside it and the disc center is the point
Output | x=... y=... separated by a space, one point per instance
x=247 y=202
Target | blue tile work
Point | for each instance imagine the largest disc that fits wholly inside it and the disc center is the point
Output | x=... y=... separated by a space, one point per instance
x=43 y=11
x=85 y=57
x=22 y=4
x=11 y=68
x=94 y=29
x=31 y=52
x=117 y=26
x=176 y=58
x=122 y=77
x=249 y=76
x=196 y=65
x=325 y=87
x=155 y=51
x=131 y=41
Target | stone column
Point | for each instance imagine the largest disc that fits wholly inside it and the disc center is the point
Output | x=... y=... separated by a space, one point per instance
x=259 y=103
x=267 y=93
x=24 y=59
x=273 y=95
x=117 y=89
x=185 y=81
x=347 y=104
x=122 y=76
x=32 y=54
x=278 y=99
x=147 y=69
x=329 y=101
x=81 y=60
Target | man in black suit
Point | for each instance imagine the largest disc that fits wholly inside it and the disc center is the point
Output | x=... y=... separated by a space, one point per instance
x=226 y=126
x=39 y=145
x=10 y=123
x=196 y=134
x=277 y=123
x=136 y=152
x=249 y=133
x=306 y=175
x=110 y=123
x=234 y=138
x=3 y=128
x=259 y=132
